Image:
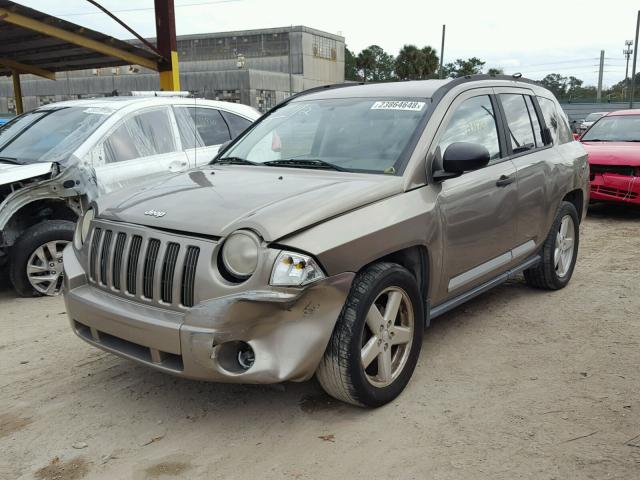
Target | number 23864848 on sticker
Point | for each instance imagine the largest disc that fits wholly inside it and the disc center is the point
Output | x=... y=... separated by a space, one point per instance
x=398 y=105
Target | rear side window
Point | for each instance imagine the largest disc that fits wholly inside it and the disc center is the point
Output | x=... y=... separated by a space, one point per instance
x=237 y=124
x=474 y=121
x=142 y=135
x=519 y=124
x=556 y=121
x=210 y=127
x=535 y=121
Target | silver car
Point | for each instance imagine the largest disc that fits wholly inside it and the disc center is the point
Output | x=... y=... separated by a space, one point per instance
x=326 y=237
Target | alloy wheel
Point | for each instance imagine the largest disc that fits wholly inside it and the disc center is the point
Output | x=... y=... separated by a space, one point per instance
x=565 y=243
x=44 y=268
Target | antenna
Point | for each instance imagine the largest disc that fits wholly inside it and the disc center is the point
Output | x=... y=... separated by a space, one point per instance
x=195 y=130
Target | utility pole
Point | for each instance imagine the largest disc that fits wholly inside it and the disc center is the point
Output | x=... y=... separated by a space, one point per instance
x=167 y=45
x=627 y=52
x=441 y=73
x=599 y=94
x=635 y=58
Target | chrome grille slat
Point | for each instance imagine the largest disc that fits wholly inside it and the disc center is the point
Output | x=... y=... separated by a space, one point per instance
x=150 y=258
x=168 y=271
x=189 y=275
x=104 y=256
x=93 y=256
x=132 y=264
x=118 y=253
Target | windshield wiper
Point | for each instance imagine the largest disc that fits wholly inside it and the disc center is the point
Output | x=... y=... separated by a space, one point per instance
x=595 y=140
x=233 y=161
x=305 y=163
x=10 y=160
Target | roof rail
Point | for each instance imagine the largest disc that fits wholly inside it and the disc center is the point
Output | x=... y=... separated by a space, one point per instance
x=315 y=89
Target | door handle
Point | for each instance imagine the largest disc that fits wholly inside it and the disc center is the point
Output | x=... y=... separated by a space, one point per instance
x=504 y=180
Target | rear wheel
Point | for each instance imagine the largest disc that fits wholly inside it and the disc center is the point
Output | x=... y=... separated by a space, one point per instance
x=559 y=252
x=36 y=258
x=377 y=339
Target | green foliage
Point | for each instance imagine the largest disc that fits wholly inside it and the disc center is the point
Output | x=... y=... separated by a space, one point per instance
x=375 y=65
x=350 y=67
x=461 y=68
x=413 y=63
x=495 y=71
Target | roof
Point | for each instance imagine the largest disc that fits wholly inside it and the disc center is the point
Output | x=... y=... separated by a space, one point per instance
x=30 y=47
x=624 y=112
x=118 y=103
x=412 y=89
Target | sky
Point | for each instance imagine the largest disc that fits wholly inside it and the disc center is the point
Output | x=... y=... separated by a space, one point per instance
x=533 y=38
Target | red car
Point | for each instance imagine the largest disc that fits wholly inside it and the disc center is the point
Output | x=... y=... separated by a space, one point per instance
x=613 y=145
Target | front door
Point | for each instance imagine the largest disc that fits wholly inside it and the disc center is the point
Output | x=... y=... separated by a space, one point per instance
x=478 y=208
x=142 y=146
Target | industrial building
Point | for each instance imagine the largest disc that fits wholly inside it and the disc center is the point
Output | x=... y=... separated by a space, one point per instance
x=254 y=67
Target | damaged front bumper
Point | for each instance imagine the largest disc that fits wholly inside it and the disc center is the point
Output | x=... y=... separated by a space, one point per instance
x=287 y=329
x=614 y=187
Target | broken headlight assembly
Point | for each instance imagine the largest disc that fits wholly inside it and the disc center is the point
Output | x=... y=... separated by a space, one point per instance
x=82 y=228
x=295 y=270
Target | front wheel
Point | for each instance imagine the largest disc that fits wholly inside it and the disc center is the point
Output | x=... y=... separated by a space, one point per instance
x=559 y=252
x=36 y=258
x=377 y=339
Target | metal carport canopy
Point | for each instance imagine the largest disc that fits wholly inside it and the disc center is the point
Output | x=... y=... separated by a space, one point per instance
x=34 y=42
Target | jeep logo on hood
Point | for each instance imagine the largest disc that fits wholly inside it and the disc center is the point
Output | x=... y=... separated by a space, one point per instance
x=155 y=213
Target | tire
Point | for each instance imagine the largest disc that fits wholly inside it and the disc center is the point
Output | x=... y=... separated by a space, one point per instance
x=50 y=235
x=549 y=274
x=341 y=372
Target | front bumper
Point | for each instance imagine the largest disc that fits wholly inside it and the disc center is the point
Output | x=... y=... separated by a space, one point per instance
x=288 y=329
x=612 y=187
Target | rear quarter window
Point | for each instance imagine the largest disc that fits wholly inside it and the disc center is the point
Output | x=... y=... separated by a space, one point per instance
x=556 y=121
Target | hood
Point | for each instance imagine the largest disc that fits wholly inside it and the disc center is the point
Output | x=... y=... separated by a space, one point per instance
x=272 y=201
x=10 y=173
x=613 y=153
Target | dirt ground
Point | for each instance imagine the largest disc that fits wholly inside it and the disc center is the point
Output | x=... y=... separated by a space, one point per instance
x=516 y=384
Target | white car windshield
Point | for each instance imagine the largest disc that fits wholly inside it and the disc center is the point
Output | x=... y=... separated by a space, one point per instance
x=352 y=134
x=48 y=135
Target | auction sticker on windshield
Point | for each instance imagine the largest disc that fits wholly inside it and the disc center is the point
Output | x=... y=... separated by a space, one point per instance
x=398 y=105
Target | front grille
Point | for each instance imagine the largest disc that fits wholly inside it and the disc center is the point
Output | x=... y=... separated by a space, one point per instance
x=151 y=269
x=625 y=170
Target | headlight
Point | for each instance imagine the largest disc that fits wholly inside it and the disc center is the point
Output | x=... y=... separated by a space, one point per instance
x=240 y=254
x=294 y=270
x=82 y=229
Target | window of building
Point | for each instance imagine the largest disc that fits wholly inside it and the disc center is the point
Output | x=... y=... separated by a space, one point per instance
x=324 y=47
x=265 y=100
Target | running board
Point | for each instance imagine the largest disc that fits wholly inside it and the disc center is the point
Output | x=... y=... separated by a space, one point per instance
x=474 y=292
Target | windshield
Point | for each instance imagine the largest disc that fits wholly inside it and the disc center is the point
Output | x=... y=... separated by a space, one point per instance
x=617 y=128
x=592 y=117
x=48 y=135
x=353 y=134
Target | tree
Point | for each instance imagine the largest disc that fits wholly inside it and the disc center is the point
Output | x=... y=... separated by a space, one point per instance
x=413 y=63
x=375 y=65
x=461 y=68
x=350 y=68
x=495 y=71
x=556 y=83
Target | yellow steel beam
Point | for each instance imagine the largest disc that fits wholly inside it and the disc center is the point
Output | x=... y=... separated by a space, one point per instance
x=76 y=39
x=23 y=68
x=17 y=92
x=170 y=79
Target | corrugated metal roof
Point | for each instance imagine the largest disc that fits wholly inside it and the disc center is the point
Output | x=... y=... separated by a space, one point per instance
x=39 y=50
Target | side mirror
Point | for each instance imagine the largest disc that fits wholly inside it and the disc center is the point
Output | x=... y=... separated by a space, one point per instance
x=460 y=157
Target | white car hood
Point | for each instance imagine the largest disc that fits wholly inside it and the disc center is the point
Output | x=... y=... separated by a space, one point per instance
x=14 y=173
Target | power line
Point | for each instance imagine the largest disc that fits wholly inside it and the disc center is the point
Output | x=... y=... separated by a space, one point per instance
x=144 y=9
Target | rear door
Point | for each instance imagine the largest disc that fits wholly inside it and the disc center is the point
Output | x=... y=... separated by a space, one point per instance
x=478 y=208
x=202 y=131
x=143 y=145
x=534 y=161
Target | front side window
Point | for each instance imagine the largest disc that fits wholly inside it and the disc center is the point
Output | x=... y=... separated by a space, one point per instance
x=357 y=134
x=519 y=124
x=201 y=127
x=49 y=135
x=142 y=135
x=614 y=128
x=474 y=121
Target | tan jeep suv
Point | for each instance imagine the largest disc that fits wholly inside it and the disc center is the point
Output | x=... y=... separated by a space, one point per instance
x=326 y=237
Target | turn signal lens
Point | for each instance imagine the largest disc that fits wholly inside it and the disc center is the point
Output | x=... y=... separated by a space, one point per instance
x=295 y=270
